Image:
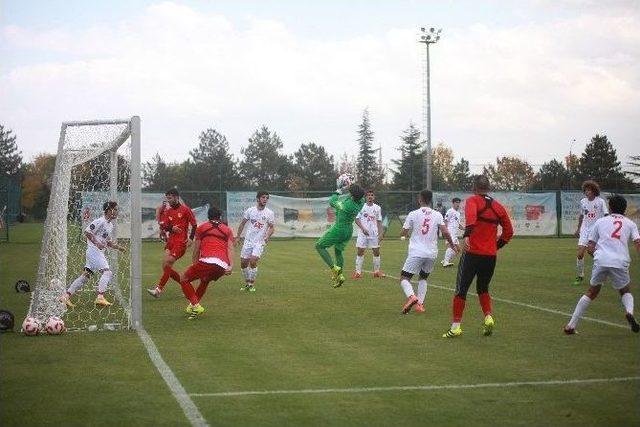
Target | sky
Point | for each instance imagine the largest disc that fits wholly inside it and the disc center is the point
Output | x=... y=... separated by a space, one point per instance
x=532 y=78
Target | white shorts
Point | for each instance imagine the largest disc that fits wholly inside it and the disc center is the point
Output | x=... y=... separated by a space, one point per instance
x=96 y=260
x=619 y=276
x=583 y=240
x=367 y=241
x=414 y=265
x=250 y=249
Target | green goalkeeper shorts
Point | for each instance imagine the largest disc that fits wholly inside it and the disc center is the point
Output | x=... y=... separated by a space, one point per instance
x=335 y=236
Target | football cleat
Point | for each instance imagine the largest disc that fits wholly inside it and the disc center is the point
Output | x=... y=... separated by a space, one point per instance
x=188 y=309
x=102 y=301
x=411 y=301
x=488 y=325
x=452 y=333
x=196 y=311
x=339 y=281
x=155 y=292
x=356 y=275
x=419 y=308
x=379 y=273
x=248 y=288
x=67 y=301
x=578 y=281
x=446 y=264
x=635 y=327
x=569 y=331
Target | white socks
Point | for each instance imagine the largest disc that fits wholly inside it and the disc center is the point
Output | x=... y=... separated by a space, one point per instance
x=580 y=267
x=250 y=274
x=627 y=302
x=581 y=307
x=245 y=274
x=104 y=281
x=422 y=291
x=77 y=284
x=406 y=287
x=448 y=255
x=359 y=262
x=376 y=263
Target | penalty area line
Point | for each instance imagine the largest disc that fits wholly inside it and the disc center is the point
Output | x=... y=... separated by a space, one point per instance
x=419 y=387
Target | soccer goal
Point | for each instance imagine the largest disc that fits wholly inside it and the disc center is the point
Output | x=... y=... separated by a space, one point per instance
x=97 y=161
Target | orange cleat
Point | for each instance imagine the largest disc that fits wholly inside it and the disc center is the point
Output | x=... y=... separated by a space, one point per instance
x=356 y=275
x=419 y=308
x=379 y=273
x=411 y=301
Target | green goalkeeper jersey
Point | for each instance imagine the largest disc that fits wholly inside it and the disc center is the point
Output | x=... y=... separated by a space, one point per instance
x=346 y=210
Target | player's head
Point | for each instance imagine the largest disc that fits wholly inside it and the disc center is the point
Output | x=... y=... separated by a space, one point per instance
x=455 y=202
x=214 y=214
x=357 y=193
x=262 y=197
x=371 y=196
x=173 y=196
x=110 y=209
x=617 y=204
x=481 y=184
x=590 y=188
x=425 y=197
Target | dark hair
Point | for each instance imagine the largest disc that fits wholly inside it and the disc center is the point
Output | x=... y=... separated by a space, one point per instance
x=592 y=185
x=481 y=183
x=109 y=205
x=426 y=196
x=172 y=192
x=617 y=204
x=370 y=192
x=261 y=193
x=456 y=200
x=356 y=192
x=214 y=213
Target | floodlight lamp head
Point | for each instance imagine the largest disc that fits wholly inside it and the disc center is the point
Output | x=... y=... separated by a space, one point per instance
x=428 y=37
x=423 y=29
x=437 y=38
x=439 y=30
x=432 y=29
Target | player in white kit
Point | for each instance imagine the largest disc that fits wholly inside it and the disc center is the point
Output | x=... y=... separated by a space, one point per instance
x=608 y=242
x=261 y=226
x=99 y=237
x=592 y=208
x=424 y=224
x=369 y=222
x=452 y=221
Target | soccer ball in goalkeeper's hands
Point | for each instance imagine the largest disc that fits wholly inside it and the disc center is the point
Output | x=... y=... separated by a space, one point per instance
x=344 y=181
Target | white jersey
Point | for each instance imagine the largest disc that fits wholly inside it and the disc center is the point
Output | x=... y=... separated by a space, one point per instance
x=369 y=217
x=453 y=221
x=591 y=211
x=611 y=235
x=258 y=221
x=423 y=223
x=101 y=229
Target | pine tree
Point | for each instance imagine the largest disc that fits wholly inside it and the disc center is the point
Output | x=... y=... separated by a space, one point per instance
x=314 y=168
x=369 y=175
x=10 y=157
x=264 y=166
x=461 y=178
x=214 y=167
x=600 y=163
x=553 y=176
x=409 y=168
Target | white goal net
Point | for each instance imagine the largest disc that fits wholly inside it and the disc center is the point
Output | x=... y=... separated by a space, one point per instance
x=97 y=161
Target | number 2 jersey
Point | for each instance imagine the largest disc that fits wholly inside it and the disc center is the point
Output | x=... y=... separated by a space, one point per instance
x=611 y=235
x=423 y=223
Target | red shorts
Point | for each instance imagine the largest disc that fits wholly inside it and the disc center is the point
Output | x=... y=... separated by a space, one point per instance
x=176 y=248
x=203 y=271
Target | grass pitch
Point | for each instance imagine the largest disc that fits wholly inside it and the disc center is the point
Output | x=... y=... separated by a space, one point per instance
x=333 y=356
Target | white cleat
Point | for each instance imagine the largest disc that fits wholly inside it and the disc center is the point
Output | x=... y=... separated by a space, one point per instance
x=155 y=292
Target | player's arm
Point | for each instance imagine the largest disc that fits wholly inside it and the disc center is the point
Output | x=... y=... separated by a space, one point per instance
x=380 y=230
x=408 y=224
x=445 y=232
x=577 y=233
x=231 y=253
x=114 y=244
x=270 y=230
x=507 y=228
x=334 y=201
x=195 y=254
x=470 y=219
x=362 y=227
x=92 y=238
x=240 y=230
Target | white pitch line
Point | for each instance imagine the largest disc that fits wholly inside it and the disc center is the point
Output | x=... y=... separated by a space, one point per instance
x=523 y=304
x=417 y=387
x=179 y=393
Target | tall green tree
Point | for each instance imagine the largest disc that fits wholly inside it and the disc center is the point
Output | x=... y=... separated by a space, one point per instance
x=368 y=171
x=36 y=185
x=264 y=165
x=510 y=174
x=410 y=166
x=213 y=166
x=314 y=168
x=599 y=161
x=635 y=164
x=553 y=176
x=10 y=157
x=461 y=178
x=158 y=175
x=442 y=167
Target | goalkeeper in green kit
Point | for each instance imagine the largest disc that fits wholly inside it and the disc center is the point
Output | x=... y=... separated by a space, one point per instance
x=347 y=208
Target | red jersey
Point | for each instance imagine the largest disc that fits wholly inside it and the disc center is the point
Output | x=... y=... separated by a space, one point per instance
x=483 y=215
x=214 y=238
x=180 y=216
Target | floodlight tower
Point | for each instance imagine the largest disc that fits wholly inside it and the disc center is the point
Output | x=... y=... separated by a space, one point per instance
x=427 y=37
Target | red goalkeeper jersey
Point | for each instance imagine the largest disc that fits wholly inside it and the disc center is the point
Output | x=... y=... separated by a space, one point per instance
x=482 y=217
x=181 y=216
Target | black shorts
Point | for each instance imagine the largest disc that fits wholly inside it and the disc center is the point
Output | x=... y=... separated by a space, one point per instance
x=472 y=265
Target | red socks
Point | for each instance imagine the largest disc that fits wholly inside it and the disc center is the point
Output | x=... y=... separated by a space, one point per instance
x=458 y=308
x=188 y=291
x=485 y=303
x=202 y=288
x=168 y=272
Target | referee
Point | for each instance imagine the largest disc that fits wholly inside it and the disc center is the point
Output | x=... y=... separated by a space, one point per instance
x=481 y=242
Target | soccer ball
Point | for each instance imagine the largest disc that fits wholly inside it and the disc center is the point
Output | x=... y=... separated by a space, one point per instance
x=344 y=181
x=54 y=326
x=30 y=326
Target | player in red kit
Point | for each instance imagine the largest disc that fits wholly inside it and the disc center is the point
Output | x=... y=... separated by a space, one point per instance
x=212 y=258
x=175 y=222
x=481 y=242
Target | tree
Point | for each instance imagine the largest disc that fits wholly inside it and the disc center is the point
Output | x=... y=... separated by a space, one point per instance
x=461 y=179
x=553 y=176
x=409 y=168
x=368 y=171
x=157 y=175
x=600 y=162
x=442 y=167
x=313 y=168
x=634 y=163
x=213 y=166
x=510 y=174
x=10 y=157
x=264 y=166
x=36 y=185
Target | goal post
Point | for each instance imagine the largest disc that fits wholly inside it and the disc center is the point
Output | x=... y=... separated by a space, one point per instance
x=97 y=161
